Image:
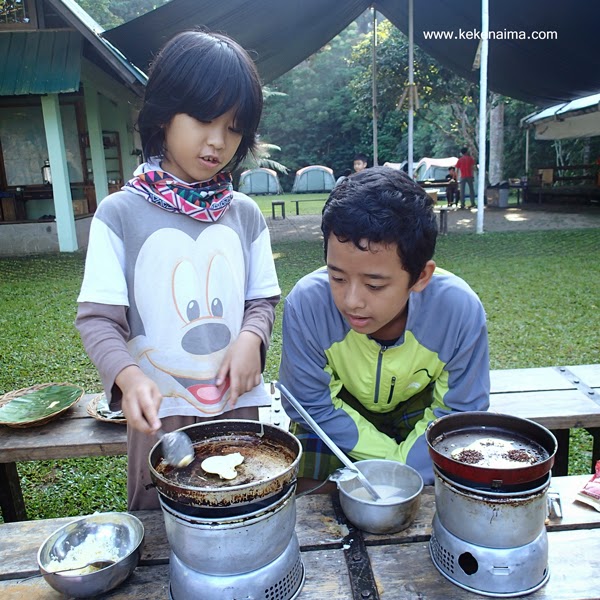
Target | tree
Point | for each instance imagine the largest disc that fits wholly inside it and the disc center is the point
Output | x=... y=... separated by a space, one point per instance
x=112 y=13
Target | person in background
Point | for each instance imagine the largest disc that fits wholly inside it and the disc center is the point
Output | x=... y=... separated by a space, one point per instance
x=452 y=187
x=380 y=342
x=465 y=165
x=343 y=177
x=179 y=292
x=360 y=162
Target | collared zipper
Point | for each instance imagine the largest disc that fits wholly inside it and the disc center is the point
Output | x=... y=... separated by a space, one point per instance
x=392 y=389
x=378 y=376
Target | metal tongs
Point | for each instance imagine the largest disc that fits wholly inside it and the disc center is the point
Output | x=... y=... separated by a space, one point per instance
x=328 y=441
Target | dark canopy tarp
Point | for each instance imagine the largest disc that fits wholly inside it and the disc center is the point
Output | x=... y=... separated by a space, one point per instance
x=282 y=33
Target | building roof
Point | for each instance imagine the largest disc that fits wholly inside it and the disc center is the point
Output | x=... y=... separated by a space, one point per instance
x=39 y=62
x=578 y=118
x=45 y=61
x=92 y=31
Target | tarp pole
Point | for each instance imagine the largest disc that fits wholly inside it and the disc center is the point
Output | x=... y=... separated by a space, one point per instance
x=483 y=70
x=411 y=81
x=374 y=86
x=527 y=152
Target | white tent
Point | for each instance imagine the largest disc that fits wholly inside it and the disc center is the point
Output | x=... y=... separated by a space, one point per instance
x=259 y=181
x=578 y=118
x=315 y=178
x=434 y=169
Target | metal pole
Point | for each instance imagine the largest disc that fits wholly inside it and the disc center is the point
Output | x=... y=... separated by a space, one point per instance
x=483 y=67
x=527 y=152
x=411 y=82
x=374 y=91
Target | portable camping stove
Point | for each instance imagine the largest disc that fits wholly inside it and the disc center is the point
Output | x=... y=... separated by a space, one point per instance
x=488 y=541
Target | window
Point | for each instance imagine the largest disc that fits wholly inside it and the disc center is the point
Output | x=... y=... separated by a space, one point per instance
x=17 y=14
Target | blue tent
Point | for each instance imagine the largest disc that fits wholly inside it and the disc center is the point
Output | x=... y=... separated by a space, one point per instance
x=315 y=178
x=259 y=181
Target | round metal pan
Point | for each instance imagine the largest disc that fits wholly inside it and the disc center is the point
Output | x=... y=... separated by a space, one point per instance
x=513 y=450
x=271 y=459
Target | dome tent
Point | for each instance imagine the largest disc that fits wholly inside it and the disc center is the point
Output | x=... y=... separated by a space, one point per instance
x=259 y=181
x=314 y=178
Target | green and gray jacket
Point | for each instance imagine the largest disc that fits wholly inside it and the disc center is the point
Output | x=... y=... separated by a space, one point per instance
x=348 y=381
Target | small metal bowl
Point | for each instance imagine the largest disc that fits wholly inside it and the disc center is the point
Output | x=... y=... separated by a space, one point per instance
x=387 y=516
x=115 y=536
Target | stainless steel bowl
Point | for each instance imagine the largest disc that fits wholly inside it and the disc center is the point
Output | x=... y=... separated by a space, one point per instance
x=392 y=514
x=115 y=536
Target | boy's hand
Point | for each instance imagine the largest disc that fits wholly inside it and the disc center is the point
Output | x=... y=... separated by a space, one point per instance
x=242 y=365
x=141 y=399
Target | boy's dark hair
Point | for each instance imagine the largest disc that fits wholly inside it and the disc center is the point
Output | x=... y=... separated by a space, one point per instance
x=202 y=75
x=383 y=205
x=362 y=157
x=464 y=150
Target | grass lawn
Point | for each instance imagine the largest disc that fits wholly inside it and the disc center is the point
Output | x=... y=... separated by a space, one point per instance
x=311 y=204
x=539 y=290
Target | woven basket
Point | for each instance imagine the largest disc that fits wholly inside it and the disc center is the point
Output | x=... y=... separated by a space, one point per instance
x=92 y=410
x=41 y=420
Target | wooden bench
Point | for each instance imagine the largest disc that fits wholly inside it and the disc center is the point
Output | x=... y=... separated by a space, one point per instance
x=299 y=200
x=560 y=398
x=393 y=566
x=281 y=205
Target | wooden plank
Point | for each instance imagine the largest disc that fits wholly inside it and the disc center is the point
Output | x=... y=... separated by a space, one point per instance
x=21 y=541
x=146 y=583
x=407 y=571
x=589 y=374
x=326 y=577
x=527 y=380
x=316 y=524
x=63 y=438
x=316 y=527
x=555 y=409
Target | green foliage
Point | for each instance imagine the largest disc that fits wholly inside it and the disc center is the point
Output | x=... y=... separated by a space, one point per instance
x=111 y=13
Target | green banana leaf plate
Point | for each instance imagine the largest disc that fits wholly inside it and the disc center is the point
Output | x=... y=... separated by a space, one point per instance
x=36 y=405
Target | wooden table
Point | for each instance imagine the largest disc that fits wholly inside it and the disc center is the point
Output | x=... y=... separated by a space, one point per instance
x=397 y=567
x=560 y=398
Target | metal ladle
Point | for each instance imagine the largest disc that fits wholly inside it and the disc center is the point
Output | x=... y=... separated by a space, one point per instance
x=178 y=450
x=328 y=441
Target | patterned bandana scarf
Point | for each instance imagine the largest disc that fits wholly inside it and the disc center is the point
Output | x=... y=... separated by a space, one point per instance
x=204 y=201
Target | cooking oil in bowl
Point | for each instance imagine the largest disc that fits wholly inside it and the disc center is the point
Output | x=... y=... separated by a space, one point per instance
x=389 y=494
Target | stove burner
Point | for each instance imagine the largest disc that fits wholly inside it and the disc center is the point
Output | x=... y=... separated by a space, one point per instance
x=282 y=579
x=499 y=573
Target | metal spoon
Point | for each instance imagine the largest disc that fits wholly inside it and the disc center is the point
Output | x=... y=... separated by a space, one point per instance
x=328 y=441
x=178 y=450
x=97 y=564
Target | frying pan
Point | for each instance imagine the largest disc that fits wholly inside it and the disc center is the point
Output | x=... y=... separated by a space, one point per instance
x=447 y=434
x=271 y=460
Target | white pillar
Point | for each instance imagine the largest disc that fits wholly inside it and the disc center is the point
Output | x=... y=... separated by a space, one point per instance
x=527 y=152
x=411 y=82
x=483 y=69
x=94 y=124
x=374 y=89
x=61 y=188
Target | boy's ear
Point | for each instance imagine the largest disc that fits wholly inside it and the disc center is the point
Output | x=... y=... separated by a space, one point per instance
x=424 y=277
